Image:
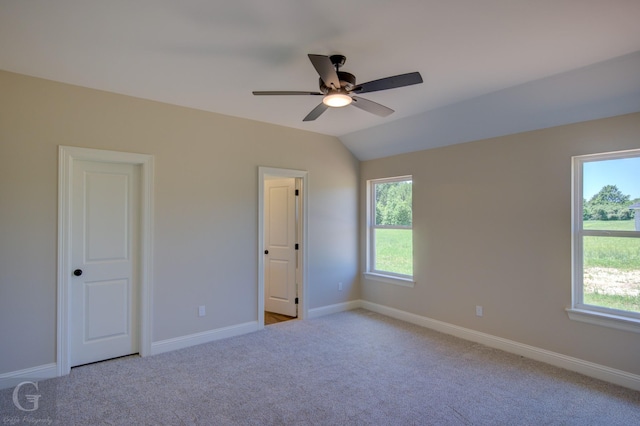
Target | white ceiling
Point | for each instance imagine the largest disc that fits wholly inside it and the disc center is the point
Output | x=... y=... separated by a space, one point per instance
x=490 y=67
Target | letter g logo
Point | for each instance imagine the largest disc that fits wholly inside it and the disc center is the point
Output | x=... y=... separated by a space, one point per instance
x=31 y=398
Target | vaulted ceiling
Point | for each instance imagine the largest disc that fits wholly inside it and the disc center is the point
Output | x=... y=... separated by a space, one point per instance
x=490 y=67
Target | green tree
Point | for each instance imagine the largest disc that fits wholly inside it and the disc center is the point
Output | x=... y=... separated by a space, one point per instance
x=609 y=194
x=394 y=203
x=608 y=204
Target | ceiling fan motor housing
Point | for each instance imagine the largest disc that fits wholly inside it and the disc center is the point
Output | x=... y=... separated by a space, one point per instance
x=347 y=82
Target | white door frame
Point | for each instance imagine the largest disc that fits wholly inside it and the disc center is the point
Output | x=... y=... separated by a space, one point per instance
x=265 y=173
x=67 y=155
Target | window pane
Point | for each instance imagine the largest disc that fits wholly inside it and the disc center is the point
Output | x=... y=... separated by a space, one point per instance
x=393 y=203
x=611 y=194
x=394 y=251
x=611 y=276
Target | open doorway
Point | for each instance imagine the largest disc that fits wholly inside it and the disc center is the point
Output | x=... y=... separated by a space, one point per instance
x=271 y=318
x=282 y=245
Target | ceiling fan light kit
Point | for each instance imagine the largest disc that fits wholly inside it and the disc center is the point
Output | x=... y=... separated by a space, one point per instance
x=337 y=99
x=338 y=87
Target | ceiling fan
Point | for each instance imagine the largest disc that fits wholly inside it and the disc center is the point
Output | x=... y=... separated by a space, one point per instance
x=339 y=88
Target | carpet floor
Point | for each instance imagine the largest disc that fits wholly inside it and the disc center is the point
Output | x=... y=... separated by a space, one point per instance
x=351 y=368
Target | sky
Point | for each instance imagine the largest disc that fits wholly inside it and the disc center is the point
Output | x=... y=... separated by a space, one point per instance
x=623 y=173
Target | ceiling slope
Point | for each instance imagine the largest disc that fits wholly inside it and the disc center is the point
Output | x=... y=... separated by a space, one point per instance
x=602 y=90
x=485 y=63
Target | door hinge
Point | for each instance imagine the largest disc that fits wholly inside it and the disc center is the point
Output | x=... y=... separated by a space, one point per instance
x=296 y=246
x=297 y=192
x=296 y=300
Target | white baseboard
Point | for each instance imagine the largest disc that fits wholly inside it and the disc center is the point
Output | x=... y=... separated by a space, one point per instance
x=204 y=337
x=334 y=309
x=33 y=374
x=49 y=371
x=237 y=330
x=612 y=375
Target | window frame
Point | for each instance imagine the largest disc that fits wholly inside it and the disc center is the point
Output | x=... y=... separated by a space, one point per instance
x=580 y=311
x=376 y=274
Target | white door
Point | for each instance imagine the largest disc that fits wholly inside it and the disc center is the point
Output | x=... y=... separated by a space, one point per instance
x=104 y=256
x=280 y=289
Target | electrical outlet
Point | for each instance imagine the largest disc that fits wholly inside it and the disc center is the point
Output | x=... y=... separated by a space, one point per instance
x=339 y=286
x=478 y=310
x=201 y=311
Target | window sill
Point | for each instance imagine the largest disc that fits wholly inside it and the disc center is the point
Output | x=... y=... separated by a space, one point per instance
x=606 y=320
x=389 y=279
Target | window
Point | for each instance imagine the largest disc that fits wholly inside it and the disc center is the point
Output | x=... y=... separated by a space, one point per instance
x=606 y=239
x=390 y=233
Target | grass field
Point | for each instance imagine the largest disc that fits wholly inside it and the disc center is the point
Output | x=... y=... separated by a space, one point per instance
x=617 y=286
x=611 y=252
x=610 y=225
x=613 y=301
x=394 y=251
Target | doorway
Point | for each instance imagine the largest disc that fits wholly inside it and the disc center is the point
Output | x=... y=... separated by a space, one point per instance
x=282 y=245
x=281 y=249
x=104 y=255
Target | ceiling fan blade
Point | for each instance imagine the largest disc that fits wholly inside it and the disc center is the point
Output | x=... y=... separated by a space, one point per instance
x=325 y=69
x=280 y=92
x=316 y=112
x=389 y=83
x=370 y=106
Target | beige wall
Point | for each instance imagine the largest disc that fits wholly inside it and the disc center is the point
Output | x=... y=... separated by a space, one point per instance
x=206 y=192
x=492 y=227
x=472 y=245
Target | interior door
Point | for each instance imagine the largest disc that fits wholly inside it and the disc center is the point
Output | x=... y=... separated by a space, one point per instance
x=104 y=255
x=280 y=288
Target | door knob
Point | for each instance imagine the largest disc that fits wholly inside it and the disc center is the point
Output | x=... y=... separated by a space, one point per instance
x=77 y=272
x=266 y=252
